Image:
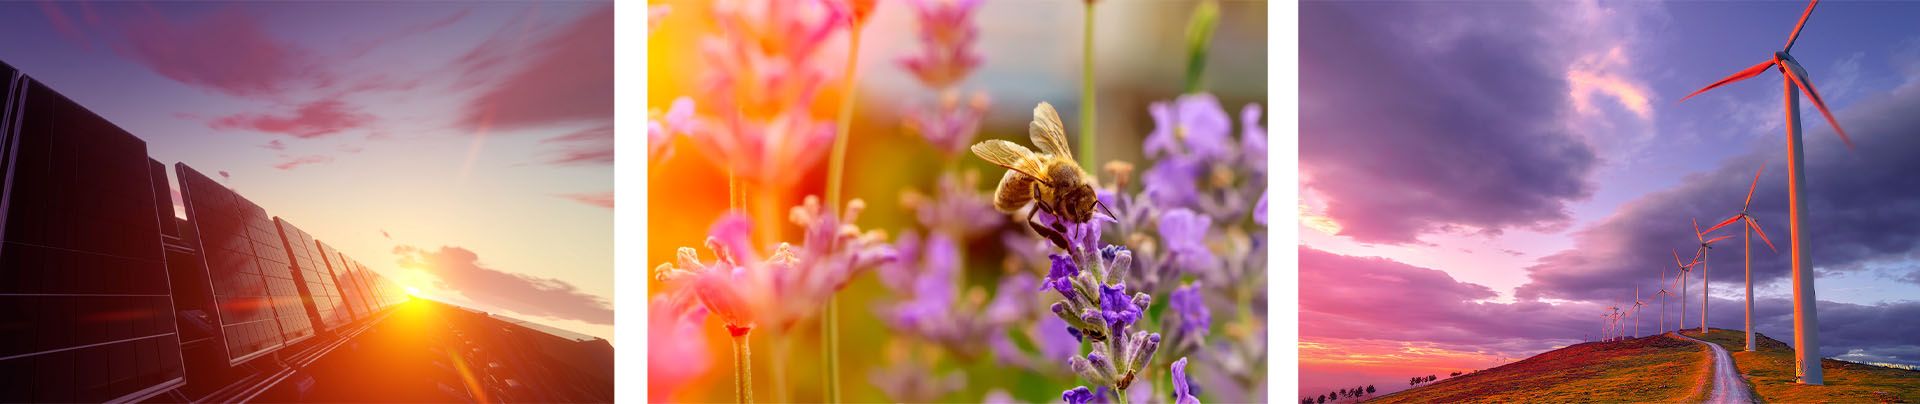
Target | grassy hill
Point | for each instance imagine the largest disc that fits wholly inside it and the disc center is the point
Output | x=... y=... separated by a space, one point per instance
x=1770 y=371
x=1651 y=369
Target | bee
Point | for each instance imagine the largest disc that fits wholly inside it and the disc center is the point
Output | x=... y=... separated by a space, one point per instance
x=1050 y=178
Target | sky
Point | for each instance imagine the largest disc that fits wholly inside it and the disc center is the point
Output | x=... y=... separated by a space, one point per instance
x=1476 y=193
x=464 y=149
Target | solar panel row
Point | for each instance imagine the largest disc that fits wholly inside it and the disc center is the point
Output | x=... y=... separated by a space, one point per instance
x=97 y=277
x=86 y=313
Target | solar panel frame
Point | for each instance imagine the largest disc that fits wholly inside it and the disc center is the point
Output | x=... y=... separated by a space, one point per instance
x=82 y=271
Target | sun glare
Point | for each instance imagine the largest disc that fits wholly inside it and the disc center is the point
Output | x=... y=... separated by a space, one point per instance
x=413 y=291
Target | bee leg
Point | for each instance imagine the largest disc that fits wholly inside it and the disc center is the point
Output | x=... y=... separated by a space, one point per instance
x=1056 y=237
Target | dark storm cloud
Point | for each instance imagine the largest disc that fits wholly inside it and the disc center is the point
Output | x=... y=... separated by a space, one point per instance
x=1425 y=118
x=1863 y=210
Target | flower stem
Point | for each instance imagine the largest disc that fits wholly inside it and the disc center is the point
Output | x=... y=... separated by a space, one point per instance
x=742 y=372
x=1086 y=95
x=836 y=171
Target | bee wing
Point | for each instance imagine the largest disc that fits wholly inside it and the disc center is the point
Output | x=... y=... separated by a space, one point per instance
x=1005 y=154
x=1048 y=133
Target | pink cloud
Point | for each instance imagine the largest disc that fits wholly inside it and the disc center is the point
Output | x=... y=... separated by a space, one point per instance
x=295 y=162
x=311 y=120
x=566 y=76
x=601 y=199
x=460 y=269
x=588 y=146
x=63 y=24
x=276 y=144
x=227 y=51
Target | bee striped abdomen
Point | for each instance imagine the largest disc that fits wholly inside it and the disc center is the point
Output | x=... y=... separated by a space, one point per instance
x=1014 y=192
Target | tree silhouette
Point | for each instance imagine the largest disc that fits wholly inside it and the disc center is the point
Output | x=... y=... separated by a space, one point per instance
x=1323 y=399
x=1432 y=378
x=1369 y=389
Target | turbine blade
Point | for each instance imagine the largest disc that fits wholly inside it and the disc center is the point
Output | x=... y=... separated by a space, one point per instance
x=1750 y=188
x=1763 y=233
x=1676 y=259
x=1696 y=232
x=1717 y=239
x=1742 y=75
x=1802 y=24
x=1800 y=80
x=1729 y=220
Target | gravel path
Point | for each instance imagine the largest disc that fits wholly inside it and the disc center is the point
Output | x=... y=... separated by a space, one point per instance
x=1728 y=386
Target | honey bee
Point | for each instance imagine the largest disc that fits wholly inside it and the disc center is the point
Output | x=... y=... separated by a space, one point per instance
x=1049 y=178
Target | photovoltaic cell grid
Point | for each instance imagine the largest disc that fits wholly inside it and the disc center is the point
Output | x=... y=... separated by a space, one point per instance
x=259 y=305
x=313 y=278
x=85 y=313
x=336 y=270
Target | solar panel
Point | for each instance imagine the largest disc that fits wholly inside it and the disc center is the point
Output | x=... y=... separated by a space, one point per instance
x=86 y=314
x=259 y=306
x=310 y=274
x=336 y=270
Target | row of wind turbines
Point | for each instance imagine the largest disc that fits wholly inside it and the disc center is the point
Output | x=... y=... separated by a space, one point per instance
x=1805 y=325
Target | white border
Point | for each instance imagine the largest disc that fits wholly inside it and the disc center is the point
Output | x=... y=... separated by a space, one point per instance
x=1283 y=179
x=630 y=201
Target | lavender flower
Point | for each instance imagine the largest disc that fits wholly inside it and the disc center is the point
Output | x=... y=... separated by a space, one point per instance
x=1185 y=234
x=1253 y=138
x=1193 y=125
x=835 y=250
x=762 y=79
x=673 y=336
x=725 y=286
x=1077 y=395
x=1190 y=313
x=1116 y=307
x=1181 y=393
x=678 y=120
x=1260 y=210
x=957 y=208
x=951 y=126
x=1060 y=276
x=947 y=33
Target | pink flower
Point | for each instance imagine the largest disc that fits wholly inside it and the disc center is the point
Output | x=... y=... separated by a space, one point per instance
x=947 y=33
x=761 y=83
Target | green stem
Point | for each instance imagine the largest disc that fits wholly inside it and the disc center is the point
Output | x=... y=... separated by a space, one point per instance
x=1086 y=94
x=836 y=168
x=742 y=372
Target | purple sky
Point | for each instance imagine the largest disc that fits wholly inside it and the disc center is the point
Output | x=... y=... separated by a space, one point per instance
x=1504 y=181
x=464 y=149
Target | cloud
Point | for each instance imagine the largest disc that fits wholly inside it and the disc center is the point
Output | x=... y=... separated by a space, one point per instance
x=275 y=145
x=63 y=24
x=226 y=51
x=1365 y=298
x=1861 y=207
x=460 y=270
x=291 y=162
x=564 y=77
x=1420 y=119
x=311 y=120
x=591 y=146
x=601 y=199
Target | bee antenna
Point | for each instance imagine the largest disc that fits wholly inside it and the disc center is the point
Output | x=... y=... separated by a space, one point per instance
x=1103 y=208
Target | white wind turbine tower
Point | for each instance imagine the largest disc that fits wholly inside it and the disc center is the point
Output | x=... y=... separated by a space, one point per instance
x=1663 y=294
x=1746 y=243
x=1806 y=344
x=1706 y=244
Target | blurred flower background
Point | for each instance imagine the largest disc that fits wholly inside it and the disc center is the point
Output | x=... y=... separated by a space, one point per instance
x=939 y=296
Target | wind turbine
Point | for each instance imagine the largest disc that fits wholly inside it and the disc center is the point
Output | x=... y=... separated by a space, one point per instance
x=1706 y=245
x=1806 y=341
x=1684 y=269
x=1663 y=294
x=1746 y=243
x=1636 y=311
